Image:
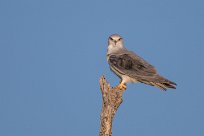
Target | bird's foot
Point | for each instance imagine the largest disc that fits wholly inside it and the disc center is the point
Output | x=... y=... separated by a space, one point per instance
x=121 y=86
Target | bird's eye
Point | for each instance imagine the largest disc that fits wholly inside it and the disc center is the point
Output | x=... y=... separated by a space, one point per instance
x=111 y=38
x=119 y=39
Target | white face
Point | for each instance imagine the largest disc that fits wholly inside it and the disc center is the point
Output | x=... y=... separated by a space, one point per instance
x=115 y=40
x=115 y=43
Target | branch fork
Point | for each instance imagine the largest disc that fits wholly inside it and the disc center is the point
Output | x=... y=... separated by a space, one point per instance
x=112 y=99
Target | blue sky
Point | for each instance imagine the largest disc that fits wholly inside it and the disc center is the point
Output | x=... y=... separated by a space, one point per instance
x=52 y=54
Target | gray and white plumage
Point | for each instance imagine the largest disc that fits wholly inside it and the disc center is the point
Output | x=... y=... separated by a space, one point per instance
x=129 y=67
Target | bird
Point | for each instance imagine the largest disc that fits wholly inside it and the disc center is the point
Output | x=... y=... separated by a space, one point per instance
x=131 y=68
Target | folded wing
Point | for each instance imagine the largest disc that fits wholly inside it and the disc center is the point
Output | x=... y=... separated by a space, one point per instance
x=131 y=65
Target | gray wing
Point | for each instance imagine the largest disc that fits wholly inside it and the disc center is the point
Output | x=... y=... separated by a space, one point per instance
x=135 y=67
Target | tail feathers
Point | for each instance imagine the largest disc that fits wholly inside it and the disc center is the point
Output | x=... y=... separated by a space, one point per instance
x=164 y=86
x=161 y=83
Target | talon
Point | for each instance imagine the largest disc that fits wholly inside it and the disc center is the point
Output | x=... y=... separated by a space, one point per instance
x=121 y=86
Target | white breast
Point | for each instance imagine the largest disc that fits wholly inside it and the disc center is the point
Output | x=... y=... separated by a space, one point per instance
x=127 y=79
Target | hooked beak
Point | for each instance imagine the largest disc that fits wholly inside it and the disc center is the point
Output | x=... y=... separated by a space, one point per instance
x=115 y=42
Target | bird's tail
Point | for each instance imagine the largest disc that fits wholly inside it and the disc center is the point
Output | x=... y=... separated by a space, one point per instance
x=162 y=83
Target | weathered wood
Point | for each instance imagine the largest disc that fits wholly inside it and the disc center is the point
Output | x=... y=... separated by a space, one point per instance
x=112 y=98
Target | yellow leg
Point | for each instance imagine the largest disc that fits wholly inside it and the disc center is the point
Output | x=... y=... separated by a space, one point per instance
x=121 y=86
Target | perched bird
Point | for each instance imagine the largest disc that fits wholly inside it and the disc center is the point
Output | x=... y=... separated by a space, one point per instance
x=131 y=68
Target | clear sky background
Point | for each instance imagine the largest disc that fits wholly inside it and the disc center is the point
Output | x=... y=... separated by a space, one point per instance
x=52 y=54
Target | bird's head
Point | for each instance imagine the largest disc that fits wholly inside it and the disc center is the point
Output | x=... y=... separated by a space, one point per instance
x=115 y=42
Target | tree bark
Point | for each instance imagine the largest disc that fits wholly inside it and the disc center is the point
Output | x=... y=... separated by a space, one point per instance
x=112 y=98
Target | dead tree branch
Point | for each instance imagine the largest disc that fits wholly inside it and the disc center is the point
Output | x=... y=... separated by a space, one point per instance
x=112 y=99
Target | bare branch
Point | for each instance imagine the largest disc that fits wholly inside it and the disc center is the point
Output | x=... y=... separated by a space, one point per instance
x=112 y=99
